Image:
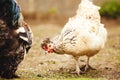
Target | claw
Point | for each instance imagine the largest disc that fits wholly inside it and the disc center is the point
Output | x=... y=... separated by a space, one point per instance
x=16 y=76
x=86 y=68
x=78 y=72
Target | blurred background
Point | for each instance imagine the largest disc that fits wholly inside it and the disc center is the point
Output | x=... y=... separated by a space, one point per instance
x=50 y=10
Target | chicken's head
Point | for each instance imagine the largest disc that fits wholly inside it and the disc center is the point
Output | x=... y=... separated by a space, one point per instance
x=47 y=45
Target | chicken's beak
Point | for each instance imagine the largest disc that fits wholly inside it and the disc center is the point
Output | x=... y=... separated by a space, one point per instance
x=50 y=48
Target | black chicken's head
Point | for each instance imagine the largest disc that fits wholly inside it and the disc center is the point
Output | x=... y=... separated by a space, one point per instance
x=47 y=45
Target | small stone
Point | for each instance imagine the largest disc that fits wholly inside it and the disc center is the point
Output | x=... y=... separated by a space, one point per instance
x=39 y=75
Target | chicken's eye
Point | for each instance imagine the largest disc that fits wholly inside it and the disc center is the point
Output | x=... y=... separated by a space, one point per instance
x=49 y=45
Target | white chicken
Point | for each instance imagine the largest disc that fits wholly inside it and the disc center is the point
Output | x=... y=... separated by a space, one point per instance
x=82 y=35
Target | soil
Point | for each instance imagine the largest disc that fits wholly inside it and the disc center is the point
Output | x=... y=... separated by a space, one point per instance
x=106 y=62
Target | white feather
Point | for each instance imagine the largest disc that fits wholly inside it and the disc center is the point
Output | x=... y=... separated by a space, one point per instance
x=20 y=29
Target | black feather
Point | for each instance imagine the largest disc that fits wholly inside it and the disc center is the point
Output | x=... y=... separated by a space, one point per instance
x=10 y=12
x=12 y=47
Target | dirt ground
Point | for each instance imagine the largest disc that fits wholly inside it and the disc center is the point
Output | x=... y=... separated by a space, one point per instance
x=40 y=66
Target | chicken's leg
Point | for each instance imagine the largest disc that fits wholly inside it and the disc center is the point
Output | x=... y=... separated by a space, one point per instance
x=77 y=67
x=78 y=71
x=87 y=66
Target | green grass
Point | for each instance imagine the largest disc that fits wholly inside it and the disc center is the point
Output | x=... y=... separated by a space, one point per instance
x=58 y=76
x=110 y=9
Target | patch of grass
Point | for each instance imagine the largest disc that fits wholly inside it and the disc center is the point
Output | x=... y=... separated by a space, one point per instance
x=118 y=58
x=84 y=79
x=58 y=75
x=110 y=9
x=45 y=78
x=52 y=10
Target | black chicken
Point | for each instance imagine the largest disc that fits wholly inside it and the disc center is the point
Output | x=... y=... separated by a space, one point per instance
x=15 y=38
